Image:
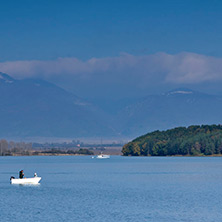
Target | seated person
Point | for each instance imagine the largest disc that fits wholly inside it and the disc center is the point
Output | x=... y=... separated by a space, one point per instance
x=21 y=174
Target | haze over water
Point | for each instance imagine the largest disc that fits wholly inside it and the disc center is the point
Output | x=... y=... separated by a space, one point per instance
x=79 y=188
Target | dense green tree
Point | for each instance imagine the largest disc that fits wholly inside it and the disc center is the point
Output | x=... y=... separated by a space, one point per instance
x=193 y=140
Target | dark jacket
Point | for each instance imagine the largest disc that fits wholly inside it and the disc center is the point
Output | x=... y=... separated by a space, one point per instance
x=21 y=174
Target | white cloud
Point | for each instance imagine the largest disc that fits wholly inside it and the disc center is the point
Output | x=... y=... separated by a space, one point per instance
x=181 y=68
x=194 y=68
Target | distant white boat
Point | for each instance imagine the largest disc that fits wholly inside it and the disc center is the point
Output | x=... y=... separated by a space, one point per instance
x=32 y=180
x=103 y=156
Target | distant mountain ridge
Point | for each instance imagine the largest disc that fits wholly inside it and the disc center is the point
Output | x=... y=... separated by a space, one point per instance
x=180 y=107
x=181 y=91
x=4 y=78
x=37 y=108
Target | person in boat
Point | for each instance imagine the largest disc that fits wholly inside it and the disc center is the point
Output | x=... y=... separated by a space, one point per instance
x=21 y=174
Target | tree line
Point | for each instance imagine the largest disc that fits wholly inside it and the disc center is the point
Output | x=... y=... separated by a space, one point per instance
x=194 y=140
x=26 y=149
x=18 y=148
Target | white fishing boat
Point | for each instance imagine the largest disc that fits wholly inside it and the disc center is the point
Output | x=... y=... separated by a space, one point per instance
x=103 y=156
x=32 y=180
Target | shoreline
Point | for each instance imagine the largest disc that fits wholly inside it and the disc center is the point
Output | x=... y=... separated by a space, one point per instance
x=45 y=154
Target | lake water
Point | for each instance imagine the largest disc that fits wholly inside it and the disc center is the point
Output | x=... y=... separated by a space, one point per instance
x=77 y=188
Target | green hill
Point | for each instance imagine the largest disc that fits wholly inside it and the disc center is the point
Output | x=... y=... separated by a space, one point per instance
x=193 y=140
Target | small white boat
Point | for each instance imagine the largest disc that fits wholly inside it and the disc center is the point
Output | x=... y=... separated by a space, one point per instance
x=32 y=180
x=103 y=156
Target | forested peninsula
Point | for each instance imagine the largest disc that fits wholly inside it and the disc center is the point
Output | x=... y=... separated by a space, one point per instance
x=194 y=140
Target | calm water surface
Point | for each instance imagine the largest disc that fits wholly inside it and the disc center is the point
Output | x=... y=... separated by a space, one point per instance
x=76 y=188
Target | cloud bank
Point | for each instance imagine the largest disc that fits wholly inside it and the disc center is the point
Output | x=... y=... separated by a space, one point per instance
x=128 y=70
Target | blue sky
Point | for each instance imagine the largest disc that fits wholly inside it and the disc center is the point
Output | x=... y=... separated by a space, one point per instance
x=85 y=29
x=81 y=30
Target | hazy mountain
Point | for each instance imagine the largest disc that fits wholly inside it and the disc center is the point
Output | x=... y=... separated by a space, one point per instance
x=39 y=108
x=32 y=108
x=181 y=107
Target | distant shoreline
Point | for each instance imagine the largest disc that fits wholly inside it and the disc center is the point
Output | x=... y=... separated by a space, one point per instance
x=44 y=154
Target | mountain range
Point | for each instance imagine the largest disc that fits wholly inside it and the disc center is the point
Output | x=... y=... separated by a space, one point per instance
x=37 y=108
x=180 y=107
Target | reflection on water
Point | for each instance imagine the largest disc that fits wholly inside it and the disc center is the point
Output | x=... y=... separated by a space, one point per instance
x=27 y=185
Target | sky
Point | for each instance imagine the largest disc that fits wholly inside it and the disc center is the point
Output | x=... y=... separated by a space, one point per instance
x=114 y=49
